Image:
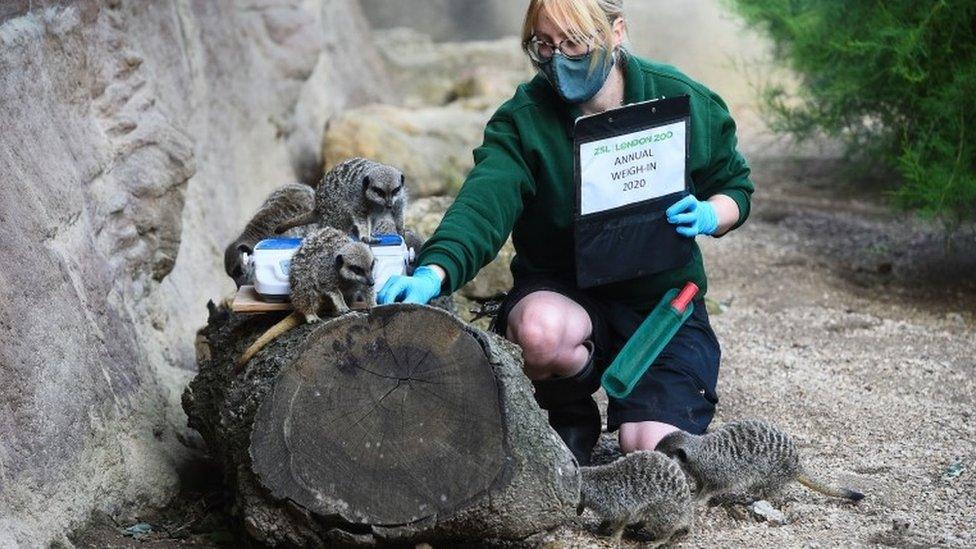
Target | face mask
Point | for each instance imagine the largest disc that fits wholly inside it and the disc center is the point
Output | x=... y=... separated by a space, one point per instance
x=573 y=79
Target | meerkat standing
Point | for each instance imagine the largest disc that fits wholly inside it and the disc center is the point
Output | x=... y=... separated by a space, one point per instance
x=744 y=456
x=642 y=487
x=283 y=204
x=327 y=274
x=354 y=195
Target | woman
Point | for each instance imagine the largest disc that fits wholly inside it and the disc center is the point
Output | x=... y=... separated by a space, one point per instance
x=522 y=184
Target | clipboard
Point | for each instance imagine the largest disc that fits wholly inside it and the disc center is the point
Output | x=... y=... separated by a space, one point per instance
x=631 y=165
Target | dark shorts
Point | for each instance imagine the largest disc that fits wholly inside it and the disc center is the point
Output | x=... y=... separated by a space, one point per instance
x=678 y=389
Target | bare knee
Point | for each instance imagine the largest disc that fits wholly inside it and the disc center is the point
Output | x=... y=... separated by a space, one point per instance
x=644 y=435
x=551 y=329
x=538 y=331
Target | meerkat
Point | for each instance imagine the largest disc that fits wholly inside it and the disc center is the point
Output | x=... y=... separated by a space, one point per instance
x=645 y=488
x=744 y=456
x=353 y=196
x=412 y=240
x=327 y=274
x=282 y=204
x=385 y=225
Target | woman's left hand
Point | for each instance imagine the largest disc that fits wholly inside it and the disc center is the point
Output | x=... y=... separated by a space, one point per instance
x=693 y=217
x=424 y=285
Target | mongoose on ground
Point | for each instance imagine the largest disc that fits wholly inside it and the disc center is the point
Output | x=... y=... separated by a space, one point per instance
x=354 y=195
x=327 y=274
x=282 y=204
x=751 y=457
x=646 y=488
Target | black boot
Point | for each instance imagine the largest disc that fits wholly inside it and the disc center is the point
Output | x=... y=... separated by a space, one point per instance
x=573 y=413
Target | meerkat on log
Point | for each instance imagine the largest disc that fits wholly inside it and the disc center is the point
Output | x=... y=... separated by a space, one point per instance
x=284 y=203
x=355 y=195
x=328 y=273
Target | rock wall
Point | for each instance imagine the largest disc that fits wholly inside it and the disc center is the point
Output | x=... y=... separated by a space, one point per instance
x=135 y=138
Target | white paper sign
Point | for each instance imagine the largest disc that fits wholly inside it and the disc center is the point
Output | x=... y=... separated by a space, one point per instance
x=632 y=168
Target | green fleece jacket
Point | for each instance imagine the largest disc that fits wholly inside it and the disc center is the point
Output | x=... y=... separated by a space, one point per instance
x=522 y=184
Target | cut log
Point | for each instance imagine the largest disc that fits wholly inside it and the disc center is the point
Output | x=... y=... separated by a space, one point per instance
x=400 y=425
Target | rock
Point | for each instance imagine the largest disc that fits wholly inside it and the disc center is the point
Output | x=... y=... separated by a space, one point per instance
x=713 y=307
x=494 y=278
x=449 y=20
x=763 y=510
x=429 y=73
x=954 y=471
x=955 y=318
x=467 y=310
x=138 y=530
x=432 y=146
x=136 y=139
x=425 y=214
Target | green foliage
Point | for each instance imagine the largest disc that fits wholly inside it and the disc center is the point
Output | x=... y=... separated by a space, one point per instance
x=895 y=78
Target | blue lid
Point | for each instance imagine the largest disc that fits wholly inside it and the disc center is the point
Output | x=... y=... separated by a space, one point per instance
x=278 y=244
x=387 y=240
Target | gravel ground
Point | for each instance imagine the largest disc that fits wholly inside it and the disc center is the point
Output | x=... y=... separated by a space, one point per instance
x=853 y=329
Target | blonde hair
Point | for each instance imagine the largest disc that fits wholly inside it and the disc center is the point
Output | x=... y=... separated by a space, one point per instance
x=587 y=21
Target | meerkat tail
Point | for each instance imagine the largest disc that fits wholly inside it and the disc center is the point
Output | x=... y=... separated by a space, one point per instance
x=826 y=489
x=304 y=219
x=287 y=323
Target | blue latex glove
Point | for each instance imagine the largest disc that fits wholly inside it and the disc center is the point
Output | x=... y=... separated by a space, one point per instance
x=420 y=288
x=693 y=217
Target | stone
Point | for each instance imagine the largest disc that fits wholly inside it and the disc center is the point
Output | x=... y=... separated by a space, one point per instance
x=449 y=20
x=135 y=139
x=433 y=146
x=494 y=278
x=425 y=214
x=428 y=73
x=764 y=510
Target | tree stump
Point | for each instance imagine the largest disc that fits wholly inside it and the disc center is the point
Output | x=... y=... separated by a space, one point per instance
x=400 y=425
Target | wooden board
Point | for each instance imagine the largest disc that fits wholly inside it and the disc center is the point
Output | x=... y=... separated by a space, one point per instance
x=247 y=300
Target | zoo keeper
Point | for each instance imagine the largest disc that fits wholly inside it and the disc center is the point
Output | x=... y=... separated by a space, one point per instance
x=523 y=184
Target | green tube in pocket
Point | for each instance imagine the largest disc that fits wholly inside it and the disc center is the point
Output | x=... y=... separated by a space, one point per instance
x=651 y=337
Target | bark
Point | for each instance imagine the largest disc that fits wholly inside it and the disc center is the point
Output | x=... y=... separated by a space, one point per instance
x=400 y=425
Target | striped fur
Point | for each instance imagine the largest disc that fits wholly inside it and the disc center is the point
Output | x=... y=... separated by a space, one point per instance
x=284 y=203
x=751 y=458
x=645 y=488
x=354 y=196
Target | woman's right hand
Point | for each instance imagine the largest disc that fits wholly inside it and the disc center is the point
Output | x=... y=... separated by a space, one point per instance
x=424 y=285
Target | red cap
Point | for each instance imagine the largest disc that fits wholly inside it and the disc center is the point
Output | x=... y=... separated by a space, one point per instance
x=688 y=293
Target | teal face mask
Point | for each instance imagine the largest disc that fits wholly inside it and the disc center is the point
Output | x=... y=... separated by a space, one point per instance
x=573 y=79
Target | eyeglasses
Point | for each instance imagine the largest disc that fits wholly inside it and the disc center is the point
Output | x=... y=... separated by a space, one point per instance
x=542 y=52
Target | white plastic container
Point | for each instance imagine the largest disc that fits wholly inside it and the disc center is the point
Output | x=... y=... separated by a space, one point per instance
x=272 y=263
x=392 y=257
